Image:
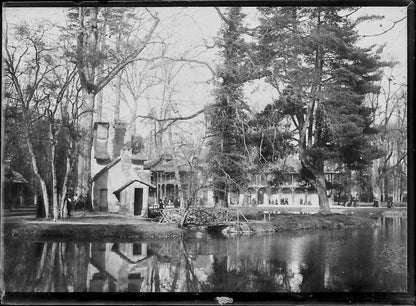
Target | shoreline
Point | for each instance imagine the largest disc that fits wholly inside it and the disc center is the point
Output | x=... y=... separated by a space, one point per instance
x=96 y=226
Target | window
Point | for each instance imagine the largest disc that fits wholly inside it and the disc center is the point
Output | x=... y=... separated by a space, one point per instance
x=102 y=130
x=137 y=249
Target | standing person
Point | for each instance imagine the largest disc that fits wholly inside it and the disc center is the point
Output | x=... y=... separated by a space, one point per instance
x=390 y=202
x=177 y=203
x=160 y=204
x=286 y=201
x=69 y=203
x=355 y=201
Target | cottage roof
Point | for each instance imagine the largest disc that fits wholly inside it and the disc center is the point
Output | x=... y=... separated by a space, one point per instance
x=102 y=269
x=106 y=168
x=11 y=176
x=168 y=165
x=131 y=182
x=115 y=248
x=149 y=165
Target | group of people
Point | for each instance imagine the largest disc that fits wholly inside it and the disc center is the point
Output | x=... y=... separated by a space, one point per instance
x=390 y=203
x=164 y=203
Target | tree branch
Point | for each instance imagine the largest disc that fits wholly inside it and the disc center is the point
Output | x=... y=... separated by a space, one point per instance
x=225 y=19
x=385 y=31
x=105 y=80
x=182 y=118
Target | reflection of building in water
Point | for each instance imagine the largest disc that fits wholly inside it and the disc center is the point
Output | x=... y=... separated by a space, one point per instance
x=132 y=267
x=117 y=267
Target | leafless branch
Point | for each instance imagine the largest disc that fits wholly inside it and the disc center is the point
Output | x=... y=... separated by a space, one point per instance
x=182 y=118
x=385 y=31
x=129 y=59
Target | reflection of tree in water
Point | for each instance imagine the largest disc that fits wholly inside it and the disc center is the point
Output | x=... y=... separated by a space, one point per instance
x=354 y=261
x=325 y=261
x=313 y=269
x=182 y=276
x=249 y=275
x=46 y=267
x=215 y=265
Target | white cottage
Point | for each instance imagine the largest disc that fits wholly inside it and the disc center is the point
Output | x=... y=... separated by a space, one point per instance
x=122 y=187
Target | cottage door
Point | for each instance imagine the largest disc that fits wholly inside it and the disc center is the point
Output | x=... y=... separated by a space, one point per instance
x=138 y=201
x=103 y=206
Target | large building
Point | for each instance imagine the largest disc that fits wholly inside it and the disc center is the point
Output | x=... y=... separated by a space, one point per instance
x=263 y=189
x=125 y=182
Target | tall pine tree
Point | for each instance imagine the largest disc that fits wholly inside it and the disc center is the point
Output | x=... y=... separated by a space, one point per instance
x=323 y=76
x=228 y=116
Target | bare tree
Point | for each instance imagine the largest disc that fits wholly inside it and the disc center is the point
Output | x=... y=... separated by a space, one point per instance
x=88 y=58
x=44 y=87
x=388 y=172
x=27 y=65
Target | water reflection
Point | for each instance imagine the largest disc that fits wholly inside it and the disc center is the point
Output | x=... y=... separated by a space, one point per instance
x=351 y=260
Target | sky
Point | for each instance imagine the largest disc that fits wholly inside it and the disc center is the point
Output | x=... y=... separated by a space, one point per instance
x=191 y=28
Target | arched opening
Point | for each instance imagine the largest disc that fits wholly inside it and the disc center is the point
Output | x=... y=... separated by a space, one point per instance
x=286 y=198
x=299 y=197
x=262 y=197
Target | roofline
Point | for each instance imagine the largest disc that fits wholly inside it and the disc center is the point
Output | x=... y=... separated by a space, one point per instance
x=131 y=182
x=119 y=253
x=106 y=167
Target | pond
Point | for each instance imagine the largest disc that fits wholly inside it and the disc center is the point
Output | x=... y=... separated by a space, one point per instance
x=370 y=260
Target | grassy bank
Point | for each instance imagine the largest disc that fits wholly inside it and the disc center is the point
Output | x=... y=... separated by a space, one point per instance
x=104 y=226
x=89 y=226
x=335 y=221
x=295 y=222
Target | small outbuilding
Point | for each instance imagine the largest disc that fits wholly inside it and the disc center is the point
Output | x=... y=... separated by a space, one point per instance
x=122 y=186
x=15 y=188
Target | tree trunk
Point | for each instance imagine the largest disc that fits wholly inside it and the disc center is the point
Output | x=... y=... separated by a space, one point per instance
x=118 y=98
x=349 y=185
x=179 y=183
x=177 y=174
x=99 y=108
x=156 y=274
x=133 y=117
x=386 y=187
x=53 y=170
x=84 y=157
x=320 y=186
x=316 y=167
x=68 y=170
x=37 y=173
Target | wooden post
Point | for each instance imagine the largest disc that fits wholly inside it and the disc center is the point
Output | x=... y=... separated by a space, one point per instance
x=293 y=195
x=157 y=188
x=165 y=185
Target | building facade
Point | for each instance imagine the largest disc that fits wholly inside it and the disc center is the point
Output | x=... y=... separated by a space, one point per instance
x=125 y=182
x=120 y=184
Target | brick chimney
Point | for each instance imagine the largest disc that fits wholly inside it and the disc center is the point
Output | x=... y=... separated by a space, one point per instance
x=100 y=142
x=137 y=150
